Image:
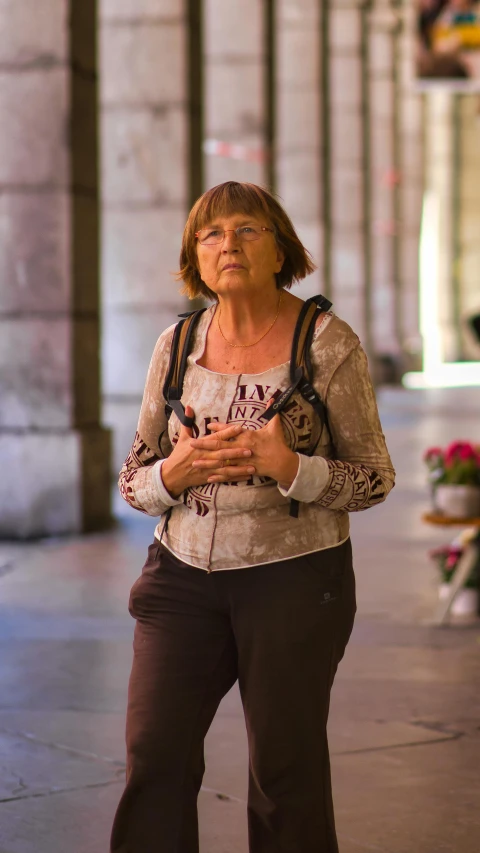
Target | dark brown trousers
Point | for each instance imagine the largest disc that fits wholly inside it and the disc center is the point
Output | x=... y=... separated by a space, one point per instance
x=281 y=629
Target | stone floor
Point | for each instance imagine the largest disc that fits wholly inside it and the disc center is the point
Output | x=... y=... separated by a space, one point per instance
x=404 y=724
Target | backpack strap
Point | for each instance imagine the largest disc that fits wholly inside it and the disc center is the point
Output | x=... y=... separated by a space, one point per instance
x=306 y=317
x=181 y=345
x=301 y=370
x=303 y=355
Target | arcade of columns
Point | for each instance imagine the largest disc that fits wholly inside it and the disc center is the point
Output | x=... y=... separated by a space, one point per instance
x=312 y=98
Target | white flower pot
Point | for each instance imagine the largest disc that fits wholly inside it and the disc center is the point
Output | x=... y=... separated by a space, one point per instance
x=466 y=601
x=458 y=501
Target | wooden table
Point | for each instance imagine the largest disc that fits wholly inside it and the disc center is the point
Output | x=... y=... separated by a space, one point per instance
x=465 y=564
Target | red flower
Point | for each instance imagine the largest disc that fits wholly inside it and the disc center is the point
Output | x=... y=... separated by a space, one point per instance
x=433 y=453
x=459 y=450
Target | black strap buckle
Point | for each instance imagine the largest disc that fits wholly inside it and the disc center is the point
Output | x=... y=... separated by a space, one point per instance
x=283 y=399
x=177 y=406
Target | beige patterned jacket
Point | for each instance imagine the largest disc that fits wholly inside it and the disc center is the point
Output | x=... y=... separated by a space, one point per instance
x=235 y=525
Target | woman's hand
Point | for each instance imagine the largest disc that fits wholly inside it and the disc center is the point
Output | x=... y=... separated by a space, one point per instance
x=180 y=470
x=271 y=456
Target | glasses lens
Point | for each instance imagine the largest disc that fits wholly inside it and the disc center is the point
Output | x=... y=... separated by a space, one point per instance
x=210 y=236
x=248 y=232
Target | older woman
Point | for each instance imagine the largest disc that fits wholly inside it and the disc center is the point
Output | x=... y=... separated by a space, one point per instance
x=234 y=587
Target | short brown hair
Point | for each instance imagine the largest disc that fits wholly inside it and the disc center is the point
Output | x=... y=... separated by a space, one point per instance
x=234 y=197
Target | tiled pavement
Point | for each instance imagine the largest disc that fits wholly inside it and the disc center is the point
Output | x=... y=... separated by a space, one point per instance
x=404 y=723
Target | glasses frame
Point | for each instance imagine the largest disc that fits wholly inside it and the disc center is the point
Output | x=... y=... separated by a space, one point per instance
x=234 y=231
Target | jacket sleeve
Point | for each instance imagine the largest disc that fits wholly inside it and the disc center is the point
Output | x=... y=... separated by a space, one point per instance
x=140 y=480
x=361 y=474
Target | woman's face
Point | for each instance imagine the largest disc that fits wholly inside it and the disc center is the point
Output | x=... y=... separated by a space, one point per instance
x=238 y=265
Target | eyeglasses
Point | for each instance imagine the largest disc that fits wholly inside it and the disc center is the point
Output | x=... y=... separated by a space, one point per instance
x=246 y=233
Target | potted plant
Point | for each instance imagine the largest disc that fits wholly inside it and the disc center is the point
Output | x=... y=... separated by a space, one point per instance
x=446 y=558
x=454 y=476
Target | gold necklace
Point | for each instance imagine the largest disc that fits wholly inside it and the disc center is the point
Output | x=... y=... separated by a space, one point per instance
x=255 y=342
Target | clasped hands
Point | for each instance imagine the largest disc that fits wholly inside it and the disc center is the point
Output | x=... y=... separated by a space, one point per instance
x=231 y=452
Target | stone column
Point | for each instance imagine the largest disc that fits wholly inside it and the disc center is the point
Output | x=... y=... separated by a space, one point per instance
x=54 y=452
x=349 y=166
x=386 y=304
x=469 y=221
x=299 y=137
x=235 y=91
x=439 y=179
x=146 y=192
x=411 y=145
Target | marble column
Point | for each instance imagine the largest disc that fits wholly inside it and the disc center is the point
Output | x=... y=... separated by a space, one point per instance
x=299 y=130
x=235 y=72
x=146 y=192
x=54 y=452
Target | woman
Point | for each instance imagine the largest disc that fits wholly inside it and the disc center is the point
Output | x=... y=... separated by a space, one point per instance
x=233 y=586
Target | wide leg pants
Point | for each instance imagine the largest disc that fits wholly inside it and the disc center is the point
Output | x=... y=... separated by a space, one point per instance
x=281 y=630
